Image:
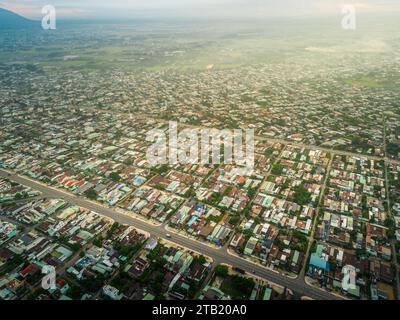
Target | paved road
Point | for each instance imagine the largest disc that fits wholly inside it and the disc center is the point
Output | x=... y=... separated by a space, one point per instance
x=393 y=241
x=317 y=213
x=298 y=286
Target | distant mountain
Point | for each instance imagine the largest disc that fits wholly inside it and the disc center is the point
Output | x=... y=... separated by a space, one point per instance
x=11 y=20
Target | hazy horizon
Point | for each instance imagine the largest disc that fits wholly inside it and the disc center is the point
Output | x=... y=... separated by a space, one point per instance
x=197 y=9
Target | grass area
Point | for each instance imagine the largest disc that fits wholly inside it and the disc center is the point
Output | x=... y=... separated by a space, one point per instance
x=365 y=81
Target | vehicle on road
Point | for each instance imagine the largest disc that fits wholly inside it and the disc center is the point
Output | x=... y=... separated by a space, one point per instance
x=168 y=236
x=241 y=271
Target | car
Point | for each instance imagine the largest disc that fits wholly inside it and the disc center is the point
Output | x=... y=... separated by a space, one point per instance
x=239 y=270
x=168 y=236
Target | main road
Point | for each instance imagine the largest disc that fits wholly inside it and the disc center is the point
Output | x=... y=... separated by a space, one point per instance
x=298 y=286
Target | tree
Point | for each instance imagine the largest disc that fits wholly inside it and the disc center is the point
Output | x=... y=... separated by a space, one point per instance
x=235 y=220
x=98 y=242
x=221 y=271
x=128 y=162
x=162 y=169
x=115 y=176
x=302 y=196
x=190 y=193
x=93 y=284
x=18 y=196
x=202 y=259
x=277 y=169
x=390 y=224
x=91 y=194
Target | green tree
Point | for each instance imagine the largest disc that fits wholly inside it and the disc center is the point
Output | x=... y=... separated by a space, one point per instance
x=221 y=271
x=91 y=194
x=301 y=195
x=115 y=176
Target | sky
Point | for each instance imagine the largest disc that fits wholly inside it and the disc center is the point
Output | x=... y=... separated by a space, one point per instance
x=195 y=8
